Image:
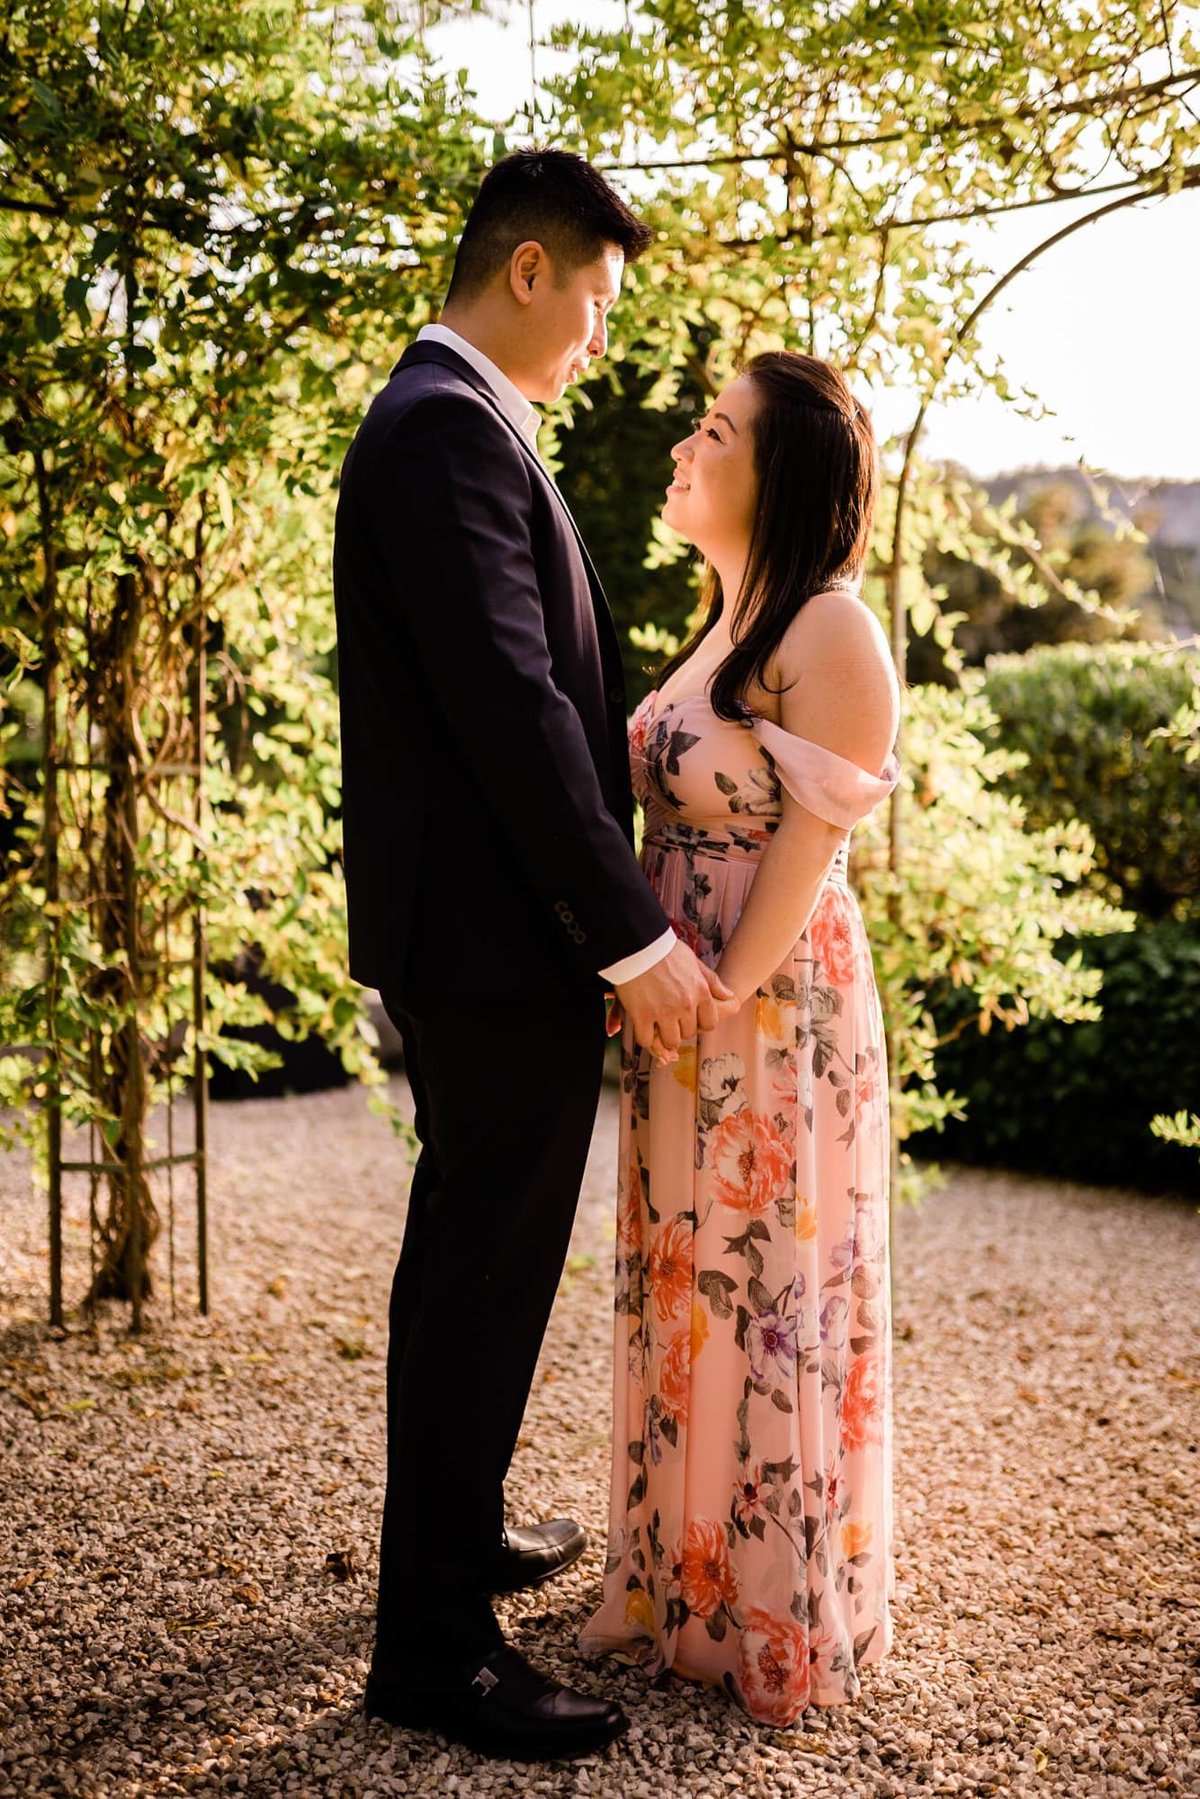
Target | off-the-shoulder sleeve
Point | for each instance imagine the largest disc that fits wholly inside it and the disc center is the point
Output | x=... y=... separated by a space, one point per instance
x=823 y=783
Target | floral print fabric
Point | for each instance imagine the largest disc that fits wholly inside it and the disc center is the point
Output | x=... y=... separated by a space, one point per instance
x=750 y=1516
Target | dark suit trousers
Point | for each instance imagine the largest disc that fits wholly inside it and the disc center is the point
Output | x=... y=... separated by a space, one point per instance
x=504 y=1112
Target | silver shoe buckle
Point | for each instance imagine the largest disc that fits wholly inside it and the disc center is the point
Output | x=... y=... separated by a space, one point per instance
x=484 y=1681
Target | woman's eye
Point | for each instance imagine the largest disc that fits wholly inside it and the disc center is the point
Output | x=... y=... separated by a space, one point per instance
x=715 y=435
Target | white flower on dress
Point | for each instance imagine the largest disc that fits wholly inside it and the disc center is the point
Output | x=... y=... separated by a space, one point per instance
x=833 y=1321
x=720 y=1077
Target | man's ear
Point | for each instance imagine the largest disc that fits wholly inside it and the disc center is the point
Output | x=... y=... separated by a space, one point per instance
x=528 y=264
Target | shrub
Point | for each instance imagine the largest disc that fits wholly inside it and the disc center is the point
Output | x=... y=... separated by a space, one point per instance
x=980 y=903
x=1093 y=722
x=1077 y=1099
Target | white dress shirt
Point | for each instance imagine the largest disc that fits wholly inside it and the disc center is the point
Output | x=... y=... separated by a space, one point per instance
x=526 y=419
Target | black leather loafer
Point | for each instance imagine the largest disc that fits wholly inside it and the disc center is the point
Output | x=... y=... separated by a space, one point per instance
x=505 y=1709
x=538 y=1553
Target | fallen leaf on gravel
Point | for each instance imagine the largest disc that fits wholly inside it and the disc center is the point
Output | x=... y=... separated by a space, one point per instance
x=248 y=1593
x=152 y=1468
x=192 y=1621
x=25 y=1581
x=79 y=1405
x=189 y=1403
x=277 y=1288
x=1040 y=1761
x=1124 y=1633
x=351 y=1349
x=35 y=1399
x=340 y=1563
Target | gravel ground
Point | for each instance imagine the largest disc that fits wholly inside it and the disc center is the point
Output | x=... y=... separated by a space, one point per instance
x=170 y=1621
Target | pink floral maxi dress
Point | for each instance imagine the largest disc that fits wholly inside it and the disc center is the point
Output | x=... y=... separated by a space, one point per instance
x=750 y=1514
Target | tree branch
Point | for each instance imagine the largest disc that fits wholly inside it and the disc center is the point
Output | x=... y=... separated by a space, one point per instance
x=947 y=127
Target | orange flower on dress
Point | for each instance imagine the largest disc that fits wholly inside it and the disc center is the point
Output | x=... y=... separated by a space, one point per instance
x=674 y=1384
x=708 y=1581
x=684 y=1068
x=832 y=943
x=855 y=1537
x=806 y=1219
x=629 y=1212
x=699 y=1328
x=866 y=1093
x=671 y=1269
x=774 y=1667
x=639 y=1611
x=862 y=1402
x=752 y=1164
x=768 y=1018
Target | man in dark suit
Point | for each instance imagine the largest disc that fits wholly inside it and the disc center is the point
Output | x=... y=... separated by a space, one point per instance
x=493 y=894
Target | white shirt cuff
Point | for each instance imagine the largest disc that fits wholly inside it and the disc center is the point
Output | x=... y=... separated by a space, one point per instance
x=629 y=967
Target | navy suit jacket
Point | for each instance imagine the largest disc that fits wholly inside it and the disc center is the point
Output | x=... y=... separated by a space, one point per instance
x=487 y=811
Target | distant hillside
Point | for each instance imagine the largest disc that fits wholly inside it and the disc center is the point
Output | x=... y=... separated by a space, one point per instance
x=1167 y=511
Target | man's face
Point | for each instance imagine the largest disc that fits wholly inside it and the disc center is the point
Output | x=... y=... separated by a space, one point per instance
x=566 y=322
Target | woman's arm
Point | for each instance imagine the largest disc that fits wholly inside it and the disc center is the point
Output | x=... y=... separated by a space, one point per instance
x=840 y=691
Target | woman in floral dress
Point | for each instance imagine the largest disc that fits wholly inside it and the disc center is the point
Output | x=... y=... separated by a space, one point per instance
x=750 y=1516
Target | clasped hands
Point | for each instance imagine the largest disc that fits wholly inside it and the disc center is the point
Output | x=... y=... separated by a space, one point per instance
x=673 y=1001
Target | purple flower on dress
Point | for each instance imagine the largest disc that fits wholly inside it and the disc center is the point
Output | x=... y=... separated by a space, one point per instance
x=842 y=1254
x=771 y=1344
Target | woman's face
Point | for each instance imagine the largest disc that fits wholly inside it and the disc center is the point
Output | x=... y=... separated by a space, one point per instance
x=711 y=499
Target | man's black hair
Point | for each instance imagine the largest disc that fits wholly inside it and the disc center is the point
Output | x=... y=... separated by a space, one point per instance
x=550 y=197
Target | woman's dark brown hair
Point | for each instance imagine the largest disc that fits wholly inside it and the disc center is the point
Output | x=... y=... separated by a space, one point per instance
x=814 y=453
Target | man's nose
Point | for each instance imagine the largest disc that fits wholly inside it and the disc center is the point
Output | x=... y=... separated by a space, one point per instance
x=599 y=343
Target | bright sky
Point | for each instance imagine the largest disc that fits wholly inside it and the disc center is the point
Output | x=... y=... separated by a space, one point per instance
x=1103 y=329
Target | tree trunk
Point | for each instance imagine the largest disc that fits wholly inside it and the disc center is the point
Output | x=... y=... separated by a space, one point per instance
x=132 y=1223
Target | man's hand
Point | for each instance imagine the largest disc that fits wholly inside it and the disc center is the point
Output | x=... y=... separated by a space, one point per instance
x=676 y=999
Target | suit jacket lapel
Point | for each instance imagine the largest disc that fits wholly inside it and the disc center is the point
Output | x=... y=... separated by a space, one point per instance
x=441 y=353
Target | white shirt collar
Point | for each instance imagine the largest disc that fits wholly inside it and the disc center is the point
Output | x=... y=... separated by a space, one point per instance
x=515 y=406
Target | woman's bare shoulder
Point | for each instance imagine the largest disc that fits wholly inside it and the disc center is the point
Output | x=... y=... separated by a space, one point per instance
x=835 y=668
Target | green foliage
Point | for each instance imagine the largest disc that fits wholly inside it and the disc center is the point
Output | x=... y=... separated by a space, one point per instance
x=219 y=224
x=989 y=619
x=1183 y=1129
x=812 y=172
x=1098 y=728
x=1078 y=1099
x=978 y=906
x=216 y=222
x=615 y=466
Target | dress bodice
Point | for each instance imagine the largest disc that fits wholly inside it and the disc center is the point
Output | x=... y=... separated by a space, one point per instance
x=693 y=766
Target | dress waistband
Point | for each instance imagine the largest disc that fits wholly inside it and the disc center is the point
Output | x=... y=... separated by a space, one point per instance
x=733 y=843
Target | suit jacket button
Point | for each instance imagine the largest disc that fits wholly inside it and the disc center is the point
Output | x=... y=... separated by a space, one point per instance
x=617 y=695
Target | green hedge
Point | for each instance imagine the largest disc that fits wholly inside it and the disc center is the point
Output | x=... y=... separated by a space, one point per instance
x=1084 y=715
x=1077 y=1099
